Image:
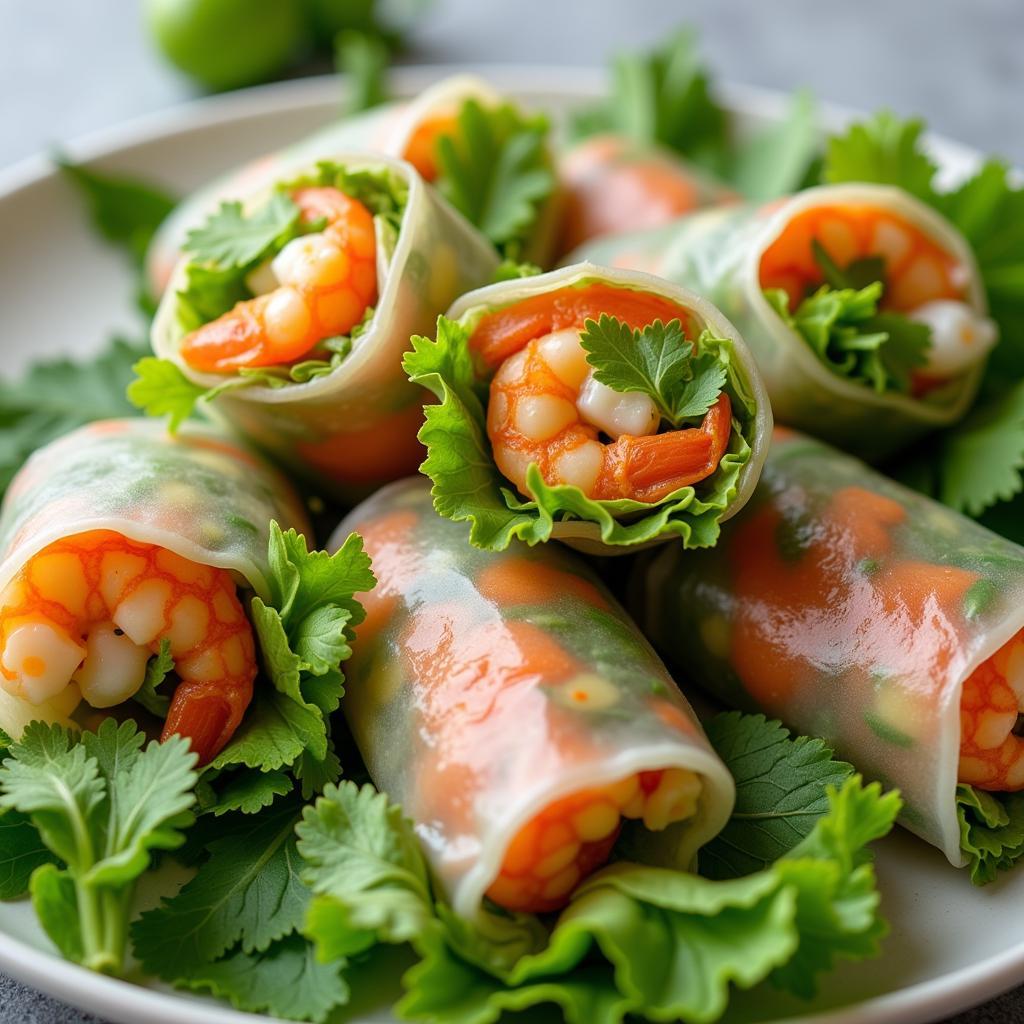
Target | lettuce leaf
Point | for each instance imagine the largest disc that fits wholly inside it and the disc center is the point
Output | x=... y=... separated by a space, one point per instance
x=635 y=940
x=469 y=488
x=844 y=329
x=991 y=831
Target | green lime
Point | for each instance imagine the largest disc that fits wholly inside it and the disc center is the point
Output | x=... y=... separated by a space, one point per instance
x=228 y=43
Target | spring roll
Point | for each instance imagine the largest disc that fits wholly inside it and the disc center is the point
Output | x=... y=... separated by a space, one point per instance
x=407 y=130
x=117 y=540
x=302 y=340
x=518 y=716
x=864 y=308
x=865 y=613
x=611 y=185
x=600 y=407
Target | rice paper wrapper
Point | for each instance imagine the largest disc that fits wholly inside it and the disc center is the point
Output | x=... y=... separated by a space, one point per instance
x=476 y=705
x=853 y=609
x=355 y=427
x=385 y=130
x=718 y=253
x=586 y=536
x=198 y=494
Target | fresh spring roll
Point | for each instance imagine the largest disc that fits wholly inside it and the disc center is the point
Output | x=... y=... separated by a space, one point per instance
x=407 y=130
x=857 y=610
x=301 y=335
x=118 y=539
x=612 y=185
x=516 y=713
x=600 y=407
x=864 y=308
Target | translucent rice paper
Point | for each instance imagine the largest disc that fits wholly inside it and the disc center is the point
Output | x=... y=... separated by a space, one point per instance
x=473 y=758
x=471 y=308
x=385 y=130
x=853 y=609
x=355 y=427
x=718 y=254
x=613 y=184
x=197 y=494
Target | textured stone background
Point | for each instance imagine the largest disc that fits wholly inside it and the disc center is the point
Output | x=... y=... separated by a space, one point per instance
x=68 y=67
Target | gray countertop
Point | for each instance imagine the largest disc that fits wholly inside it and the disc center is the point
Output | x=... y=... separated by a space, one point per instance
x=69 y=67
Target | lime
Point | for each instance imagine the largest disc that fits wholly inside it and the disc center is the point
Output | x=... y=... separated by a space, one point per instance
x=228 y=43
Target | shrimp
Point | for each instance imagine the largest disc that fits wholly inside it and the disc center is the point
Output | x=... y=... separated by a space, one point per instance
x=87 y=612
x=421 y=149
x=318 y=286
x=991 y=744
x=572 y=837
x=547 y=408
x=918 y=270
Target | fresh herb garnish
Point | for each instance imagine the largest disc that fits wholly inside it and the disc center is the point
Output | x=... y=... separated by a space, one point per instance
x=991 y=831
x=363 y=59
x=496 y=170
x=232 y=239
x=658 y=361
x=58 y=395
x=781 y=792
x=101 y=804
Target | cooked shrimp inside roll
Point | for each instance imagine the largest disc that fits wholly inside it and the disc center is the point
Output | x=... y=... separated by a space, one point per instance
x=81 y=619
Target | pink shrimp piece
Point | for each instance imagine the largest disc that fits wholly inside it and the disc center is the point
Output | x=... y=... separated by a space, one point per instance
x=572 y=837
x=89 y=610
x=325 y=282
x=546 y=408
x=991 y=705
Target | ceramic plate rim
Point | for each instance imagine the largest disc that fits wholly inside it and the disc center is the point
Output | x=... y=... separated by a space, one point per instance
x=107 y=996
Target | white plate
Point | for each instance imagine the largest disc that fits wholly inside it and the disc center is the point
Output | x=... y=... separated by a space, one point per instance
x=61 y=290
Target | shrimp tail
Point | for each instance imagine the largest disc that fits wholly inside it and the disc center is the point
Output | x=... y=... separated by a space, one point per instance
x=649 y=468
x=207 y=715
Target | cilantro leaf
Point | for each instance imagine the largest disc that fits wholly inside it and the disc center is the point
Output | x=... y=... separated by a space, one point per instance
x=657 y=361
x=884 y=149
x=991 y=831
x=58 y=395
x=157 y=669
x=363 y=59
x=250 y=792
x=848 y=335
x=101 y=806
x=364 y=863
x=981 y=461
x=469 y=487
x=856 y=275
x=125 y=211
x=285 y=980
x=21 y=852
x=304 y=633
x=496 y=170
x=248 y=893
x=230 y=239
x=781 y=792
x=161 y=389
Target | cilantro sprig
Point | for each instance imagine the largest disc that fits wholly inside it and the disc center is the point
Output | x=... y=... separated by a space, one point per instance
x=666 y=97
x=658 y=361
x=468 y=487
x=101 y=804
x=233 y=239
x=497 y=171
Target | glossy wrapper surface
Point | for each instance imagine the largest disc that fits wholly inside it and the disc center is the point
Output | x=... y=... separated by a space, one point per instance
x=196 y=493
x=486 y=686
x=853 y=609
x=717 y=253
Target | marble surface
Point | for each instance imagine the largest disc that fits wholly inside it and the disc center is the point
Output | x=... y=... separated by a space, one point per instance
x=69 y=67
